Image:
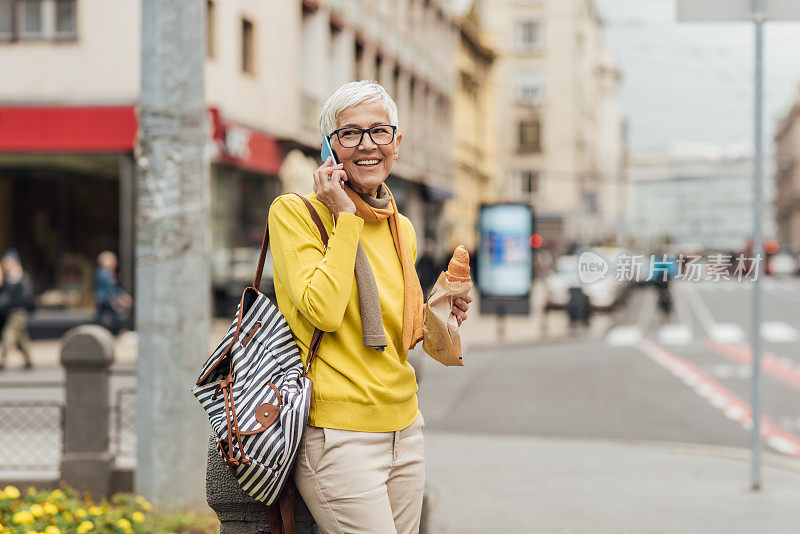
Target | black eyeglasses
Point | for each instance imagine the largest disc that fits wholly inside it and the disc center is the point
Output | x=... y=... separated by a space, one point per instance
x=350 y=136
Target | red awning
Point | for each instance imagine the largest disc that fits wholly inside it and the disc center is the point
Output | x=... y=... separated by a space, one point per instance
x=244 y=147
x=67 y=129
x=85 y=129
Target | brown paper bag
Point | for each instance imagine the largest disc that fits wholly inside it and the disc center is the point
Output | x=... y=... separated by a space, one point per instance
x=442 y=341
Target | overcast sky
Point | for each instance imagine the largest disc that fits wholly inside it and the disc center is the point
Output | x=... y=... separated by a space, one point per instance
x=691 y=84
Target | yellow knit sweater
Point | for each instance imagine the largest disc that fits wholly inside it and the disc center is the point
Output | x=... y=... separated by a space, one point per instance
x=355 y=387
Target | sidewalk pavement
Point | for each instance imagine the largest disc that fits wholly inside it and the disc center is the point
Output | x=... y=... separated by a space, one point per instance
x=524 y=484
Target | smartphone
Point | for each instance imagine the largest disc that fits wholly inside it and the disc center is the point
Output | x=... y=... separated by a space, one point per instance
x=327 y=152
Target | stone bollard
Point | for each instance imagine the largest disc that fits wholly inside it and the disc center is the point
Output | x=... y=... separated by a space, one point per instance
x=87 y=352
x=237 y=511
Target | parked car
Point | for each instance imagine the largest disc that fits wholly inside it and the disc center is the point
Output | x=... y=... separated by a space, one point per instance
x=610 y=290
x=603 y=293
x=782 y=263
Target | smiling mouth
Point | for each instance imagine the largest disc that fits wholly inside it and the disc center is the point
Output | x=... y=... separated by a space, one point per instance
x=368 y=162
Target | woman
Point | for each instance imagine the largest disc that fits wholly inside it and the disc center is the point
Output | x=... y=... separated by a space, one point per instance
x=361 y=465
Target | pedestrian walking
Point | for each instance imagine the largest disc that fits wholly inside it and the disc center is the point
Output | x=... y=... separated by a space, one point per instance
x=664 y=297
x=16 y=302
x=579 y=308
x=110 y=299
x=361 y=465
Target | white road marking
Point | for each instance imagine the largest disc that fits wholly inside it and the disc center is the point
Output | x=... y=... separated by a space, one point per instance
x=726 y=333
x=779 y=332
x=675 y=334
x=624 y=336
x=782 y=445
x=699 y=307
x=728 y=370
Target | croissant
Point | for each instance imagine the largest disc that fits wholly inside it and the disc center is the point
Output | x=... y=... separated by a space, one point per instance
x=458 y=268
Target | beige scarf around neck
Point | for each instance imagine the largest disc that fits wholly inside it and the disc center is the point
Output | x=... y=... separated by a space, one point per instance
x=376 y=209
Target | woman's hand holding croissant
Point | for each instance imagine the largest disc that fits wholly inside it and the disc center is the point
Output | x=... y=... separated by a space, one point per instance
x=460 y=307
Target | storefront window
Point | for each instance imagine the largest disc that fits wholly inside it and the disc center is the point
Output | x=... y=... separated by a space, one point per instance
x=239 y=204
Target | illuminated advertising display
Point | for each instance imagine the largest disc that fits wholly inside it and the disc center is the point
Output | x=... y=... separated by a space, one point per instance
x=504 y=252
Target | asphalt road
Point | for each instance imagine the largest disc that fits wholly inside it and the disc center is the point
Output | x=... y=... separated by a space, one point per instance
x=685 y=379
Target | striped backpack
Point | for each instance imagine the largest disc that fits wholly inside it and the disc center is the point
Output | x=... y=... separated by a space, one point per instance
x=257 y=395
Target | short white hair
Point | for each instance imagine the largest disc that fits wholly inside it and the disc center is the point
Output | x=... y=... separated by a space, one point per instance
x=354 y=94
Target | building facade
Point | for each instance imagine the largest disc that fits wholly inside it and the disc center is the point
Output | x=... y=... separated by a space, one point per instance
x=787 y=178
x=68 y=164
x=474 y=126
x=560 y=134
x=701 y=201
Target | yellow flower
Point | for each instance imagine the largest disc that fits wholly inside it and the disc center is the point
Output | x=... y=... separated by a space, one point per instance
x=2 y=496
x=37 y=510
x=138 y=517
x=57 y=494
x=146 y=506
x=52 y=530
x=80 y=512
x=31 y=491
x=23 y=517
x=67 y=516
x=50 y=508
x=95 y=510
x=11 y=492
x=124 y=523
x=85 y=527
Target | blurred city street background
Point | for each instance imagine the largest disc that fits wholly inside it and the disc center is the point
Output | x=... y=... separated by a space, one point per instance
x=621 y=403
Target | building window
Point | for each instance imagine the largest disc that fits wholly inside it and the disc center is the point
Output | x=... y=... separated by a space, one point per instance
x=30 y=18
x=65 y=18
x=37 y=19
x=589 y=200
x=529 y=182
x=530 y=136
x=359 y=60
x=530 y=36
x=211 y=25
x=529 y=87
x=247 y=46
x=6 y=19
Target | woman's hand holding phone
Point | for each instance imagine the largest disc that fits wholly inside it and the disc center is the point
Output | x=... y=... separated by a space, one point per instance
x=329 y=185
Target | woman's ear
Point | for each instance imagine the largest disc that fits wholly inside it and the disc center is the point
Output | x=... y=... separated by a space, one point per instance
x=397 y=140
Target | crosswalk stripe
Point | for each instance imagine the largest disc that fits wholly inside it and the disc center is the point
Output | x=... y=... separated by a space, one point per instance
x=726 y=332
x=675 y=334
x=779 y=332
x=624 y=336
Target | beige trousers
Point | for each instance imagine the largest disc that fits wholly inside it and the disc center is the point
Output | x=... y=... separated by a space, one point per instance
x=15 y=335
x=363 y=482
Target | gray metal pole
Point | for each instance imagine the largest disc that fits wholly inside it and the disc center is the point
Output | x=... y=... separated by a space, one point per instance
x=172 y=254
x=758 y=82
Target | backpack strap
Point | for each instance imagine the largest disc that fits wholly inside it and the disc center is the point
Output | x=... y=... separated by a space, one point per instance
x=316 y=338
x=265 y=241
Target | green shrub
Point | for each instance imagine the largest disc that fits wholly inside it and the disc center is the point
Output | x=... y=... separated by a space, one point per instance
x=65 y=511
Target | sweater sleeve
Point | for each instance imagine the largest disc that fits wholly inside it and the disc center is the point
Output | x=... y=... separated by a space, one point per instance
x=318 y=281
